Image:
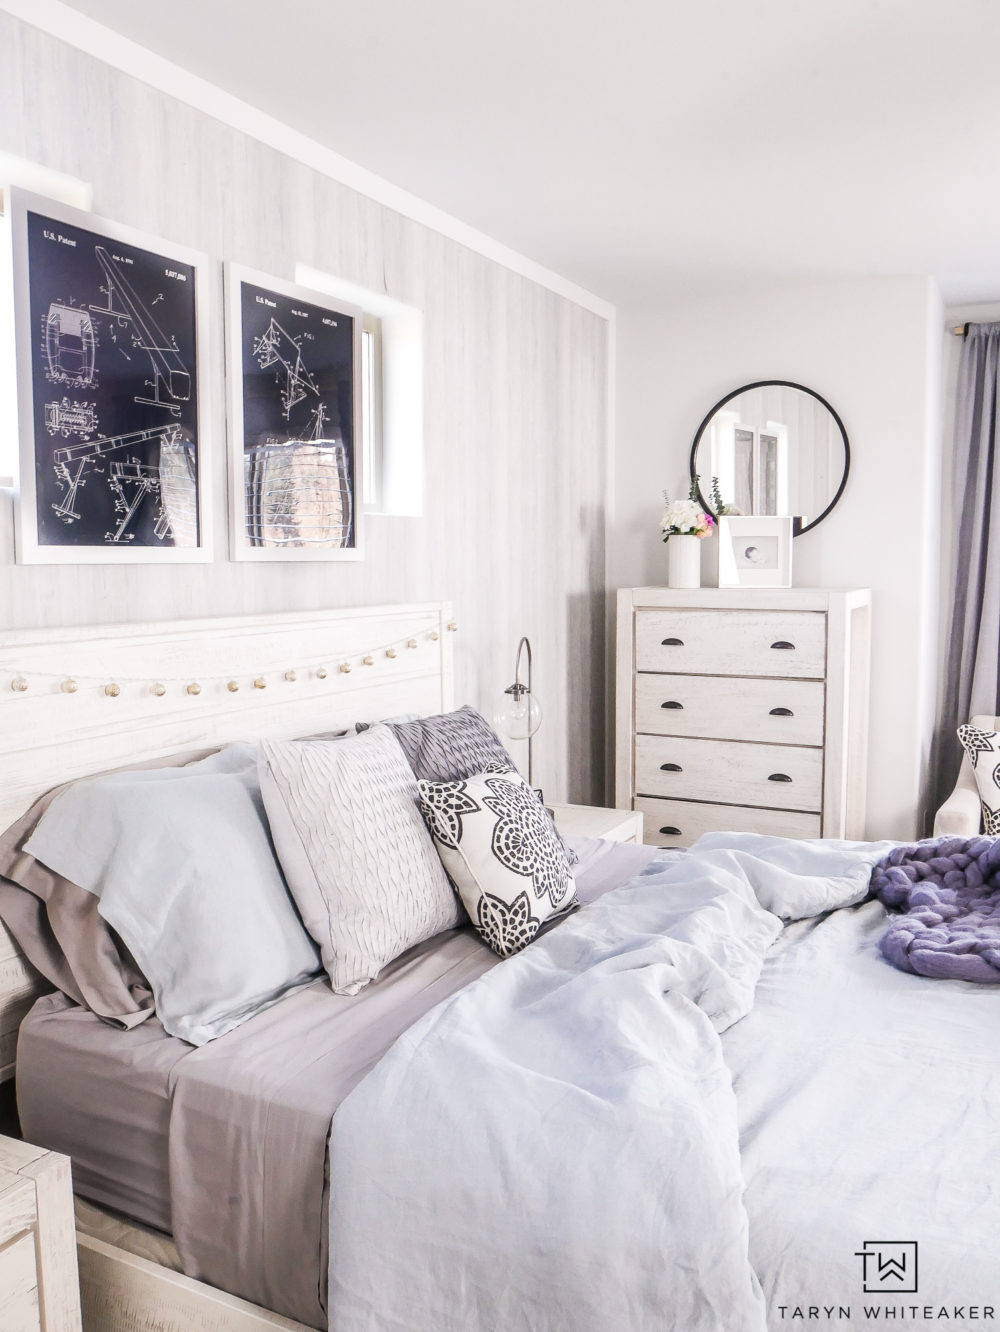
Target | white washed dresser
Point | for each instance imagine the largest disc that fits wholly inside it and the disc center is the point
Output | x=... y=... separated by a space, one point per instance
x=743 y=710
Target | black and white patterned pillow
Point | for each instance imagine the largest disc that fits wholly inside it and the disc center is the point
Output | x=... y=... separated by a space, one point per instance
x=502 y=852
x=454 y=745
x=983 y=749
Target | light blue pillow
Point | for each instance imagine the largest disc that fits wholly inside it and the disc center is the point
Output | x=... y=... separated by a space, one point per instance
x=182 y=862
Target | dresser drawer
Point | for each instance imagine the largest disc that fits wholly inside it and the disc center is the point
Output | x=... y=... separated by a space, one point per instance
x=729 y=771
x=732 y=642
x=786 y=712
x=682 y=822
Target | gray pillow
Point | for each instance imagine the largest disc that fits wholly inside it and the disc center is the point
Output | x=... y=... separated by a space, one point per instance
x=358 y=859
x=182 y=863
x=450 y=746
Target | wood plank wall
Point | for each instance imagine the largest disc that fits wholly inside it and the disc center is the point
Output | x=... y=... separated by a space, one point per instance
x=516 y=443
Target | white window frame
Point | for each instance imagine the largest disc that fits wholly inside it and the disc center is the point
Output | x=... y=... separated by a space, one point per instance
x=397 y=443
x=371 y=412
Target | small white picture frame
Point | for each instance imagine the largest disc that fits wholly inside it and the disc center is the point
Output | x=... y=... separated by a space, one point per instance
x=755 y=551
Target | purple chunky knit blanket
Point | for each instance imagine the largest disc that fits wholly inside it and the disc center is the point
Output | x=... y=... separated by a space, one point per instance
x=949 y=892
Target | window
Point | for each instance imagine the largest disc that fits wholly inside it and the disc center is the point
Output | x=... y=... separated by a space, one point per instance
x=392 y=395
x=371 y=412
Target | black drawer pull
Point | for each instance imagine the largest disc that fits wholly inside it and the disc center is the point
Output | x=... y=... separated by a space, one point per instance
x=783 y=645
x=779 y=777
x=671 y=767
x=672 y=642
x=781 y=712
x=669 y=831
x=673 y=704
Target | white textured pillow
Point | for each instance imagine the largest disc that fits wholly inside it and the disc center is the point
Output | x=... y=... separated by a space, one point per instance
x=983 y=749
x=503 y=854
x=356 y=855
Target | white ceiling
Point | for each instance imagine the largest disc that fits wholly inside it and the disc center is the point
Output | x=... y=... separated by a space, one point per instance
x=642 y=146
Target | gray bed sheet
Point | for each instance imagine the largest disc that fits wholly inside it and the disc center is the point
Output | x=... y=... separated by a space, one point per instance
x=101 y=1096
x=224 y=1146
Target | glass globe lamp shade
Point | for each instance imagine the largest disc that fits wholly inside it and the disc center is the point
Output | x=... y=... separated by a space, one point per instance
x=517 y=714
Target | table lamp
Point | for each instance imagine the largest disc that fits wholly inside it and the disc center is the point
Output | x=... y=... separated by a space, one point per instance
x=517 y=712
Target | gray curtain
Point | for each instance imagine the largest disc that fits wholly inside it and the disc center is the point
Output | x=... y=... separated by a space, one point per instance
x=972 y=677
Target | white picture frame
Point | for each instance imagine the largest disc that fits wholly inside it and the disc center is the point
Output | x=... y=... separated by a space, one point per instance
x=112 y=334
x=755 y=551
x=293 y=375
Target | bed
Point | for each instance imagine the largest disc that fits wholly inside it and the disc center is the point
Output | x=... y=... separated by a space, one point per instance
x=865 y=1099
x=77 y=701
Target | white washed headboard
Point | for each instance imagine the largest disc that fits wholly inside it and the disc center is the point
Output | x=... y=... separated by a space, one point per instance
x=74 y=702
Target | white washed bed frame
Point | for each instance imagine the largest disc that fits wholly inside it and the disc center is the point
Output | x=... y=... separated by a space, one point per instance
x=320 y=670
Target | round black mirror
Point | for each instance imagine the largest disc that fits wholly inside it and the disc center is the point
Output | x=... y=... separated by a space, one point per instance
x=775 y=448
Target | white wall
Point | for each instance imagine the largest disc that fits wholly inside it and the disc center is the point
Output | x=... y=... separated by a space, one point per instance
x=873 y=348
x=515 y=410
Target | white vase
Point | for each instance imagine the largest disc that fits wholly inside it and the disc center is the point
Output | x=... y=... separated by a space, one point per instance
x=684 y=561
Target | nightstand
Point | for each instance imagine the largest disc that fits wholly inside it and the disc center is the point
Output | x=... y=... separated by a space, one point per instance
x=39 y=1287
x=613 y=825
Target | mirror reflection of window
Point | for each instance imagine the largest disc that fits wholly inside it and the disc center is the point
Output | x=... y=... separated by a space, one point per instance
x=718 y=458
x=743 y=468
x=766 y=497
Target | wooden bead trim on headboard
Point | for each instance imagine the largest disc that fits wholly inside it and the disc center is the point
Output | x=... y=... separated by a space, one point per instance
x=20 y=684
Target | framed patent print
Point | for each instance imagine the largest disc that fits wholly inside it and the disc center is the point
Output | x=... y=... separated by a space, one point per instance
x=293 y=362
x=110 y=330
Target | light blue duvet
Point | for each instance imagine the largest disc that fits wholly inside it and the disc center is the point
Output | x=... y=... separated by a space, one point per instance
x=557 y=1146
